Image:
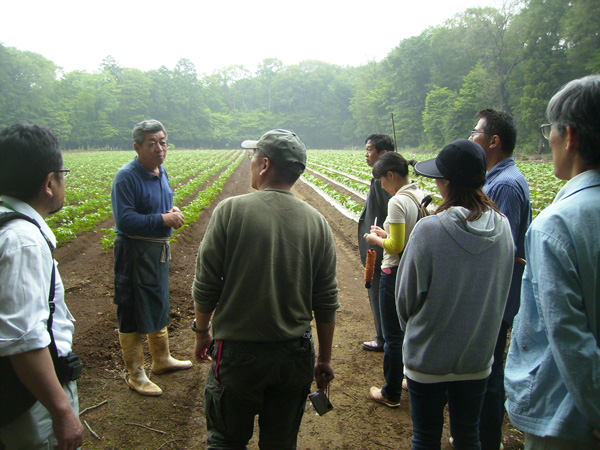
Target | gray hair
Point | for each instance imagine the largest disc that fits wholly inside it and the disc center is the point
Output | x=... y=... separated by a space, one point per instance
x=147 y=126
x=577 y=105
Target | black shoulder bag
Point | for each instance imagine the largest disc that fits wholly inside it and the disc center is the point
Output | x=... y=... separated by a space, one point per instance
x=15 y=398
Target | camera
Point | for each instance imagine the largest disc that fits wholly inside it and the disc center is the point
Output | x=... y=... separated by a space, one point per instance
x=320 y=402
x=68 y=368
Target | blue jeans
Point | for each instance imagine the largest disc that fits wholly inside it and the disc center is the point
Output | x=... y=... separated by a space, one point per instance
x=427 y=403
x=492 y=412
x=393 y=335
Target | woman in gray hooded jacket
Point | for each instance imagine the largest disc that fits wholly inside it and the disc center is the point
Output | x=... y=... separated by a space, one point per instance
x=451 y=290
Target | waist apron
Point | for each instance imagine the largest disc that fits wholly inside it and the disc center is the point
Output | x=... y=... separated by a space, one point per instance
x=141 y=269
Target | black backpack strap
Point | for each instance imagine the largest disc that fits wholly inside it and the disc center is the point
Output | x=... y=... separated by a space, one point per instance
x=426 y=201
x=5 y=217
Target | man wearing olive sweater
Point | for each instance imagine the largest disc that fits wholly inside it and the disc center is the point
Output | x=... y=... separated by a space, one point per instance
x=266 y=264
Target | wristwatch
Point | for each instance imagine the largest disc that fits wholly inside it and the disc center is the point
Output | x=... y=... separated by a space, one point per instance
x=196 y=330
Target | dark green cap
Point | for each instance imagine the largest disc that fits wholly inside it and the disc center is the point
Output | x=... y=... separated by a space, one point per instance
x=283 y=147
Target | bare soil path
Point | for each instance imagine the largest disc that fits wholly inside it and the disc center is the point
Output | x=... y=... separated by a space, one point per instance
x=176 y=419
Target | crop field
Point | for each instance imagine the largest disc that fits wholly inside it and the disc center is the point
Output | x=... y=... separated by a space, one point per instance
x=344 y=177
x=336 y=183
x=197 y=176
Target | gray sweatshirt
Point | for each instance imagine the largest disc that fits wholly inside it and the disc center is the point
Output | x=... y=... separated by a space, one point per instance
x=451 y=290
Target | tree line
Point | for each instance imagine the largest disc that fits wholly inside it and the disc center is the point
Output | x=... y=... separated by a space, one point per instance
x=513 y=57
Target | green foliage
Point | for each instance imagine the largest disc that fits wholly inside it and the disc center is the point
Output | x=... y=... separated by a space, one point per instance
x=438 y=104
x=197 y=178
x=407 y=69
x=513 y=57
x=368 y=104
x=27 y=82
x=87 y=200
x=581 y=25
x=346 y=165
x=476 y=93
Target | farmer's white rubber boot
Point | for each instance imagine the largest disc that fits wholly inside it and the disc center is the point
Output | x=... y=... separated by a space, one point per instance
x=162 y=361
x=133 y=355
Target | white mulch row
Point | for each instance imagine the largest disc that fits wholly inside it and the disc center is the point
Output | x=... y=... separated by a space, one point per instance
x=337 y=205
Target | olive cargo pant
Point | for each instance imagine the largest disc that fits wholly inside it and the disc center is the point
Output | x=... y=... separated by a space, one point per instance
x=271 y=379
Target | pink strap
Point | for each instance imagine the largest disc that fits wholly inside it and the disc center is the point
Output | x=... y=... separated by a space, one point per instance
x=218 y=363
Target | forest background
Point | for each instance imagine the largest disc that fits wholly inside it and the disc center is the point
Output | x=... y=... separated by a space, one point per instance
x=512 y=58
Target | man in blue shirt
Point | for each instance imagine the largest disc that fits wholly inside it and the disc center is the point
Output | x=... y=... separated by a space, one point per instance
x=553 y=363
x=496 y=132
x=144 y=214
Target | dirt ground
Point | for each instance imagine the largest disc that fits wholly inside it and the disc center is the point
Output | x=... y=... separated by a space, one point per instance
x=120 y=419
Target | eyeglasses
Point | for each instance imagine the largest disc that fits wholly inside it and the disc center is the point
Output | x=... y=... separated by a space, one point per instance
x=545 y=130
x=474 y=132
x=65 y=172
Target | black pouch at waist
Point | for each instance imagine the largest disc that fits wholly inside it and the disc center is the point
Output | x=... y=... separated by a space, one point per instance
x=15 y=398
x=68 y=368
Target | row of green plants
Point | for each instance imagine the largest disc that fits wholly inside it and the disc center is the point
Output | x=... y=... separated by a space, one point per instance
x=87 y=200
x=344 y=165
x=359 y=188
x=205 y=169
x=334 y=193
x=204 y=198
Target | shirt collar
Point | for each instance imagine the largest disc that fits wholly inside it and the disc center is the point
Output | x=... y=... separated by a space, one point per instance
x=145 y=172
x=506 y=162
x=27 y=209
x=581 y=181
x=408 y=187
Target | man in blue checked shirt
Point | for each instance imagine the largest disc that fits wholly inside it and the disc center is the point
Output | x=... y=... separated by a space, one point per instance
x=496 y=132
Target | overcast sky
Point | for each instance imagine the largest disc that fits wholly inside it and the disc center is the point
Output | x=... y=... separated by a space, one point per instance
x=213 y=34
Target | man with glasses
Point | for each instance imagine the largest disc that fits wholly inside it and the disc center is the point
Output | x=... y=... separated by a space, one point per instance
x=496 y=132
x=142 y=202
x=553 y=363
x=32 y=351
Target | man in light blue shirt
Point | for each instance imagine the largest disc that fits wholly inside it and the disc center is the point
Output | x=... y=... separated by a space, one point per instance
x=552 y=374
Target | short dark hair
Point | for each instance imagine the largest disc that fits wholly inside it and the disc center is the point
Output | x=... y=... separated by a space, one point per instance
x=381 y=142
x=147 y=126
x=28 y=153
x=577 y=104
x=391 y=161
x=502 y=124
x=288 y=174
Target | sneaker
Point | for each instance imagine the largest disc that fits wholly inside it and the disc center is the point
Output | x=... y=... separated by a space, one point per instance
x=372 y=346
x=376 y=395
